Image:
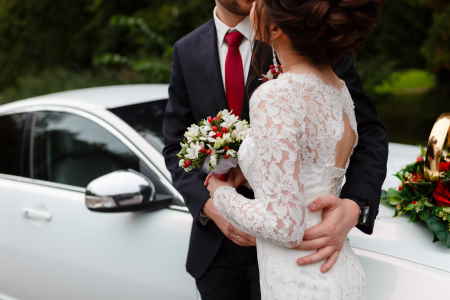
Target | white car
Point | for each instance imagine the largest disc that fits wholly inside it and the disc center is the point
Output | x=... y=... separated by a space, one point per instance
x=87 y=209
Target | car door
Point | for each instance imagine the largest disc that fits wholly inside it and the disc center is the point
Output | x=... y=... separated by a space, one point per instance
x=72 y=253
x=12 y=172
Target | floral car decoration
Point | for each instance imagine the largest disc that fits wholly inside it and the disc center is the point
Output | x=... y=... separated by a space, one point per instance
x=424 y=191
x=423 y=200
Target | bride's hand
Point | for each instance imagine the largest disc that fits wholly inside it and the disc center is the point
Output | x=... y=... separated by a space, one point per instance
x=212 y=183
x=236 y=177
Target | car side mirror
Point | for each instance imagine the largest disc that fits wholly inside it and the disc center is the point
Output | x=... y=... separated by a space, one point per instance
x=122 y=191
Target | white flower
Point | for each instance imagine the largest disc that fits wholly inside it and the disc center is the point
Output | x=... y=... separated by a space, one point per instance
x=232 y=153
x=240 y=131
x=228 y=119
x=192 y=132
x=204 y=129
x=193 y=150
x=219 y=143
x=227 y=138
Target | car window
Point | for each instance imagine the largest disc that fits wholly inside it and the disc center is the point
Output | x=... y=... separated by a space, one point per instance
x=70 y=149
x=147 y=119
x=12 y=131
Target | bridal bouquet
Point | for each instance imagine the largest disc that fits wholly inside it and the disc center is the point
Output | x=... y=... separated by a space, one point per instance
x=213 y=143
x=423 y=199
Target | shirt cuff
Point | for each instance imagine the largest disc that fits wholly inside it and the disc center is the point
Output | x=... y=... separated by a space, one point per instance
x=203 y=219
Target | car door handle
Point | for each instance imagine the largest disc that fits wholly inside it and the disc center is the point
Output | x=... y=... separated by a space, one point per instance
x=38 y=215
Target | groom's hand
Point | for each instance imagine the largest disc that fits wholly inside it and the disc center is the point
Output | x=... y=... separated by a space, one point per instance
x=232 y=233
x=339 y=216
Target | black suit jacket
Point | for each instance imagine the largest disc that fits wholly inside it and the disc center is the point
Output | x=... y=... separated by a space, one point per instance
x=196 y=91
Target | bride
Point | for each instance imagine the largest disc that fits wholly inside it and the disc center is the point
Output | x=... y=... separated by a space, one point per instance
x=303 y=132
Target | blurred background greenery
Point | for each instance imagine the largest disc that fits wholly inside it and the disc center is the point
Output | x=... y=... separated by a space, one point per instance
x=49 y=46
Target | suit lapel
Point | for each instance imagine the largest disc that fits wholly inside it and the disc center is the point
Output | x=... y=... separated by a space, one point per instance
x=209 y=57
x=261 y=59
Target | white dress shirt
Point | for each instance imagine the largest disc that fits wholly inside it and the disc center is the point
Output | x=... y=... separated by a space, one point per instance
x=244 y=27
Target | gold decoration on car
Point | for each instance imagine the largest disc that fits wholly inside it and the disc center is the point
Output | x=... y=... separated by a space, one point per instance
x=438 y=145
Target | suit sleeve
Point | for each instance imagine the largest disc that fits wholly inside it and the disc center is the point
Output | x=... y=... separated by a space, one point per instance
x=367 y=168
x=178 y=117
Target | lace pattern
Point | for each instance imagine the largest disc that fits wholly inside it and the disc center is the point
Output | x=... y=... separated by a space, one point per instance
x=289 y=158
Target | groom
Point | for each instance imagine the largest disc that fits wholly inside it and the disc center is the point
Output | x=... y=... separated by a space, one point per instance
x=212 y=70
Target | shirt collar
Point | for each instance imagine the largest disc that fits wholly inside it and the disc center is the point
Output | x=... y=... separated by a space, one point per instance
x=243 y=27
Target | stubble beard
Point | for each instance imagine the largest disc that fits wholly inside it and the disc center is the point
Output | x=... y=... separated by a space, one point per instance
x=234 y=7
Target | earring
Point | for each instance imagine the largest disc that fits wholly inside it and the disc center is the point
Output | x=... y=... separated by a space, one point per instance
x=274 y=58
x=276 y=68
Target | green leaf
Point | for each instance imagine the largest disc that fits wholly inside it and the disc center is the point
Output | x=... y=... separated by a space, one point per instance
x=439 y=228
x=428 y=203
x=391 y=197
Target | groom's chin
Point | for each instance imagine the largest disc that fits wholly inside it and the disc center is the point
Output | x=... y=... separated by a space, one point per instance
x=245 y=6
x=238 y=7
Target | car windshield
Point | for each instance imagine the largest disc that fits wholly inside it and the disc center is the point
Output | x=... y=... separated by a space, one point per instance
x=146 y=118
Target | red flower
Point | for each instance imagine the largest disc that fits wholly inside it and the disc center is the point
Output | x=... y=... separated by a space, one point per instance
x=187 y=163
x=400 y=188
x=414 y=202
x=226 y=156
x=204 y=150
x=419 y=159
x=214 y=128
x=219 y=134
x=209 y=151
x=441 y=194
x=210 y=120
x=224 y=130
x=444 y=166
x=226 y=148
x=416 y=177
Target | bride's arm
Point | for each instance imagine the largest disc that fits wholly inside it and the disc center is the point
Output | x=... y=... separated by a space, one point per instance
x=278 y=213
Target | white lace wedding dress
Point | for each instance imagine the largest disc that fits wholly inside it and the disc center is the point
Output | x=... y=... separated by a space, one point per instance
x=289 y=158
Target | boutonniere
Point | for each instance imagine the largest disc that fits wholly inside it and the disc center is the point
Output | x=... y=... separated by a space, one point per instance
x=273 y=73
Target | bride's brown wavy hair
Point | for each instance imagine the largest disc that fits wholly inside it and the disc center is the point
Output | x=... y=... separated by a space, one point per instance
x=322 y=30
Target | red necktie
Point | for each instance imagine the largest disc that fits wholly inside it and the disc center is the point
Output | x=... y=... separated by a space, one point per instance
x=234 y=72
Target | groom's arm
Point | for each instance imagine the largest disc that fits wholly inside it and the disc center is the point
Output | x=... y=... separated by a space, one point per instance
x=367 y=169
x=178 y=117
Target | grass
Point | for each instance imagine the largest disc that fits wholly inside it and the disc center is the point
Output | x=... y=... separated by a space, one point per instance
x=410 y=82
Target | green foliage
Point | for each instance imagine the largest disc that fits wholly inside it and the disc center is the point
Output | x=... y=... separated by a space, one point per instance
x=37 y=35
x=407 y=83
x=393 y=47
x=152 y=60
x=436 y=48
x=414 y=199
x=135 y=38
x=149 y=35
x=74 y=35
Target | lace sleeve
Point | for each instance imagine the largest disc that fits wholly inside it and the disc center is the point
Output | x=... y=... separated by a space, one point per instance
x=277 y=214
